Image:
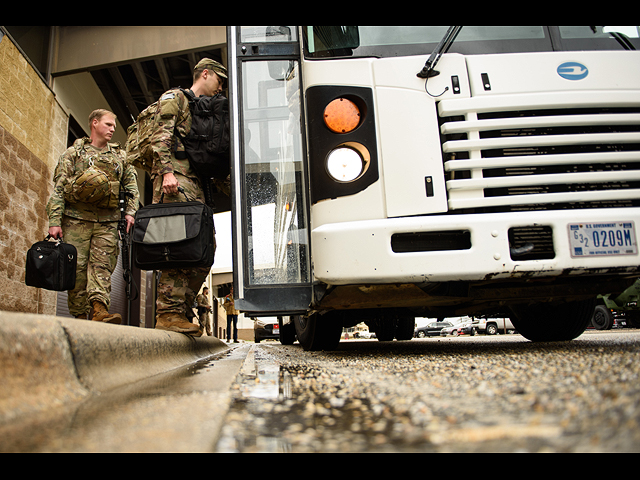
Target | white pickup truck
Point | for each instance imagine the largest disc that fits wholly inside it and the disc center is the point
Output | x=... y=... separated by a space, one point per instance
x=494 y=326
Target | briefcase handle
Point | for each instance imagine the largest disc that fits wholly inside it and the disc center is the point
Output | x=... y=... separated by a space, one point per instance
x=58 y=241
x=181 y=190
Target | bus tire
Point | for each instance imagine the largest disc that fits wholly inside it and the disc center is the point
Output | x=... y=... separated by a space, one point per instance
x=287 y=332
x=405 y=329
x=553 y=323
x=386 y=330
x=318 y=332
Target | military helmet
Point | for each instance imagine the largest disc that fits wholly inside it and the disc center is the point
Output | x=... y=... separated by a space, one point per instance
x=92 y=187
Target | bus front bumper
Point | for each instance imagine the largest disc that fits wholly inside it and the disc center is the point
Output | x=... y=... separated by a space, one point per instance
x=361 y=253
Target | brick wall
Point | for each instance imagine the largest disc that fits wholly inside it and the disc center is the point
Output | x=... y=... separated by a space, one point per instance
x=33 y=134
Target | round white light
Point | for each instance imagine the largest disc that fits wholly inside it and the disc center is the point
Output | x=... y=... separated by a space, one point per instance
x=345 y=164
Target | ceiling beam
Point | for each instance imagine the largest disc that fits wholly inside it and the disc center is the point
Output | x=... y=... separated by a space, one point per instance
x=82 y=48
x=164 y=75
x=121 y=85
x=142 y=80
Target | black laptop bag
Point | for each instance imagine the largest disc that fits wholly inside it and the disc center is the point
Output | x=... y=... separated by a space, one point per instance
x=52 y=266
x=170 y=236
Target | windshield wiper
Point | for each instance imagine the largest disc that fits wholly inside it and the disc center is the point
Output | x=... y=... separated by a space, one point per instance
x=620 y=37
x=445 y=44
x=623 y=40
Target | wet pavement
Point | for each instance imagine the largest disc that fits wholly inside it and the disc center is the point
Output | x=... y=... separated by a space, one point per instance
x=480 y=394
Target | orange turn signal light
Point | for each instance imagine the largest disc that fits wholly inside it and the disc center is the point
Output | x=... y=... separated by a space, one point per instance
x=342 y=116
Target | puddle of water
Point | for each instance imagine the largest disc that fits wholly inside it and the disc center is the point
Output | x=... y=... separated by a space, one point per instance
x=262 y=386
x=269 y=383
x=267 y=416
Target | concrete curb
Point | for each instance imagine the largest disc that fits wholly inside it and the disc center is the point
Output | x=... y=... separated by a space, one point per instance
x=48 y=361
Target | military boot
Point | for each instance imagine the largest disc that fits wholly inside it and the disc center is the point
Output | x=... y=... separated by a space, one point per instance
x=175 y=322
x=101 y=314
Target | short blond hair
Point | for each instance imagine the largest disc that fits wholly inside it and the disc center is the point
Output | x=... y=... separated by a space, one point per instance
x=98 y=114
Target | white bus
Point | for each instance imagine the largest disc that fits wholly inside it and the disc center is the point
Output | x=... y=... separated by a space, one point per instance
x=384 y=173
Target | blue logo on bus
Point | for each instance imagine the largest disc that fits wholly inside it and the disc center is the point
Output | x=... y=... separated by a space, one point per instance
x=573 y=71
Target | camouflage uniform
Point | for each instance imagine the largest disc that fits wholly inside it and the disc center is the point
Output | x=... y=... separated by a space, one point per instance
x=177 y=288
x=204 y=316
x=92 y=229
x=173 y=115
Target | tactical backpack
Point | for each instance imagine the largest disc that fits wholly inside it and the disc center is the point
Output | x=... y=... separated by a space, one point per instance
x=207 y=145
x=139 y=151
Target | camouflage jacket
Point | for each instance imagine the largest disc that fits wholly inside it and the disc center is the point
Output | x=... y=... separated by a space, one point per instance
x=174 y=114
x=76 y=160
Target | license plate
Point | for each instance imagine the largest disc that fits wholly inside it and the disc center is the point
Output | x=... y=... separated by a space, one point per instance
x=606 y=239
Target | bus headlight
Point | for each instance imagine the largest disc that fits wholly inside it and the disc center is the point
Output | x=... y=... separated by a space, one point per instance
x=345 y=164
x=343 y=119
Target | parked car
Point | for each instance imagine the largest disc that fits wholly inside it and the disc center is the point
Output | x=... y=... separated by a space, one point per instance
x=495 y=326
x=432 y=329
x=266 y=329
x=466 y=328
x=365 y=335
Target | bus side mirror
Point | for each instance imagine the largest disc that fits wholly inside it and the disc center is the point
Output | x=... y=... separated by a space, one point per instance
x=280 y=71
x=279 y=32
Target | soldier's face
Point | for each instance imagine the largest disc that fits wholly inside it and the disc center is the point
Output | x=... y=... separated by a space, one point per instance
x=213 y=83
x=105 y=127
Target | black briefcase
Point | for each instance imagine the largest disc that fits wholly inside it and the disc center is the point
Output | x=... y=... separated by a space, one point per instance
x=174 y=236
x=52 y=266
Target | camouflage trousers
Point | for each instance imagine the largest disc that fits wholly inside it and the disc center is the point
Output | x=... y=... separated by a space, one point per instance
x=177 y=289
x=205 y=323
x=97 y=245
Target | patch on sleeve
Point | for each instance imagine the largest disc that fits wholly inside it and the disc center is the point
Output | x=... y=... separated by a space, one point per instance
x=169 y=105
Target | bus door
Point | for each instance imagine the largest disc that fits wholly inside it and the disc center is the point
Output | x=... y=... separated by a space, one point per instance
x=272 y=274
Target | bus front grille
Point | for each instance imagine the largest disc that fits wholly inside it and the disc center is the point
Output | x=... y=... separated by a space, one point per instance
x=542 y=152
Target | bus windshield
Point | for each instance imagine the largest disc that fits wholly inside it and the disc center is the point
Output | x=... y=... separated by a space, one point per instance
x=391 y=41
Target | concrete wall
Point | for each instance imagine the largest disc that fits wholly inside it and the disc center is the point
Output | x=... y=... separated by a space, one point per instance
x=33 y=135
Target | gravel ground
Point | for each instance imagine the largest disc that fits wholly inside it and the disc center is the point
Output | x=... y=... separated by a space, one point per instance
x=468 y=394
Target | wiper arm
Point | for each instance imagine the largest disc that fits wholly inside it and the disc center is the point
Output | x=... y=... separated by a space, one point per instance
x=444 y=46
x=620 y=37
x=623 y=40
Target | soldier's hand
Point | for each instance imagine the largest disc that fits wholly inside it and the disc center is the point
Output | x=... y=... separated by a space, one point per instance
x=55 y=232
x=130 y=222
x=170 y=184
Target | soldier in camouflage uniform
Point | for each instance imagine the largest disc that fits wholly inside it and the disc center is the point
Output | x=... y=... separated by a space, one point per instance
x=84 y=208
x=177 y=288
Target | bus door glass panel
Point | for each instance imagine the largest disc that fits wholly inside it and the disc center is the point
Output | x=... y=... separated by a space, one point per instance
x=268 y=34
x=277 y=249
